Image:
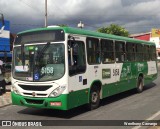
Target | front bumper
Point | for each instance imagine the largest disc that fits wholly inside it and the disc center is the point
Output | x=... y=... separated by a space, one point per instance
x=40 y=102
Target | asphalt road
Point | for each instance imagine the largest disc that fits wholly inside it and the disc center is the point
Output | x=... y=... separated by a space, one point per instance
x=125 y=106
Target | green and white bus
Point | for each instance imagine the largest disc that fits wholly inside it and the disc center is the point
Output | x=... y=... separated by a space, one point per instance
x=62 y=67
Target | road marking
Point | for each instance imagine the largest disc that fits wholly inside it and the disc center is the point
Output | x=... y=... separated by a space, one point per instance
x=154 y=116
x=150 y=118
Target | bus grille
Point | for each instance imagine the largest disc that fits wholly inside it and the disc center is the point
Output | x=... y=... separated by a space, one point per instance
x=30 y=101
x=38 y=94
x=35 y=88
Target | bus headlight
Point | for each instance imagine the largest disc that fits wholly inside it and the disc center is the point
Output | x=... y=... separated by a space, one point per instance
x=58 y=91
x=15 y=90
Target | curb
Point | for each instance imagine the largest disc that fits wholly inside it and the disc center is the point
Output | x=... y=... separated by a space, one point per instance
x=5 y=99
x=6 y=105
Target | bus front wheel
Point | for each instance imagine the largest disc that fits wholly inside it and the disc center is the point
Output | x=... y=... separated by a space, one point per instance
x=140 y=84
x=94 y=98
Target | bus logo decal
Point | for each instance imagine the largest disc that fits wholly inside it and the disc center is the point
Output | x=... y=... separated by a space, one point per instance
x=106 y=73
x=33 y=94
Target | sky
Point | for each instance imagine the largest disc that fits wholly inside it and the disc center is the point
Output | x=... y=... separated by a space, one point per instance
x=137 y=16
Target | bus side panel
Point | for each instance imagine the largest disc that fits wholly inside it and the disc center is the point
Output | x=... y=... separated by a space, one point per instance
x=128 y=77
x=125 y=80
x=126 y=85
x=77 y=98
x=152 y=72
x=109 y=90
x=114 y=88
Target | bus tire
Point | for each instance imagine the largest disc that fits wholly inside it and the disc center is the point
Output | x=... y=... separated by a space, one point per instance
x=94 y=99
x=140 y=84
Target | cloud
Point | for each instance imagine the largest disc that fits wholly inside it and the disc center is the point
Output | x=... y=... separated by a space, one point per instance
x=134 y=2
x=135 y=15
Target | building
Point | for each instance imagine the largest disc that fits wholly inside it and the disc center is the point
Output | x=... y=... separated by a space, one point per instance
x=5 y=53
x=156 y=38
x=142 y=36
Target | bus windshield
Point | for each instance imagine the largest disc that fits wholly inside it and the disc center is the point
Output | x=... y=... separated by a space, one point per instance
x=41 y=62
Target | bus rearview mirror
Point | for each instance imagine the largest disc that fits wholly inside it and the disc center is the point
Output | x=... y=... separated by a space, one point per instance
x=71 y=53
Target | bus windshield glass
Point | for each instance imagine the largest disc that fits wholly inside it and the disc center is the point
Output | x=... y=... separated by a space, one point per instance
x=40 y=36
x=44 y=62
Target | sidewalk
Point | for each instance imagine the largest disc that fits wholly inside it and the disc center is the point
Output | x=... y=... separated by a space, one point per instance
x=5 y=99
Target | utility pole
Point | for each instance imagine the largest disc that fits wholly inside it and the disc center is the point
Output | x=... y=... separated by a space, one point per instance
x=45 y=13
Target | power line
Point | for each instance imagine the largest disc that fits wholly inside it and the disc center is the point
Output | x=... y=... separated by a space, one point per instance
x=93 y=26
x=24 y=25
x=58 y=8
x=26 y=4
x=29 y=5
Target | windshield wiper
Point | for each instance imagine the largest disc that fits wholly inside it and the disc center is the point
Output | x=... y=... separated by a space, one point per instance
x=37 y=59
x=43 y=50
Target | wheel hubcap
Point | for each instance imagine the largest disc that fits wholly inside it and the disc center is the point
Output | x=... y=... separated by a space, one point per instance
x=140 y=86
x=94 y=97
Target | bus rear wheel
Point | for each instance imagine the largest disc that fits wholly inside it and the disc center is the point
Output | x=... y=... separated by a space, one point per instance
x=140 y=84
x=94 y=98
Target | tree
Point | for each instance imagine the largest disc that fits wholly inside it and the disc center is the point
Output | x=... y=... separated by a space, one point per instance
x=115 y=30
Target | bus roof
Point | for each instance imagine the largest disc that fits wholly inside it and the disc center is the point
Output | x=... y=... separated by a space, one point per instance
x=78 y=31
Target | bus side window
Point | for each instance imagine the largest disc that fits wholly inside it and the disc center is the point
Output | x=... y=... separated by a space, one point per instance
x=120 y=51
x=139 y=52
x=78 y=55
x=153 y=53
x=107 y=47
x=93 y=51
x=146 y=53
x=130 y=51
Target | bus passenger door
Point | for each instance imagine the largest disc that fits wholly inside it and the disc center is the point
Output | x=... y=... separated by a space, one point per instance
x=77 y=67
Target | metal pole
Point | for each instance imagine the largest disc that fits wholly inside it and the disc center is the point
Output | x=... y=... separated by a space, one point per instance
x=45 y=13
